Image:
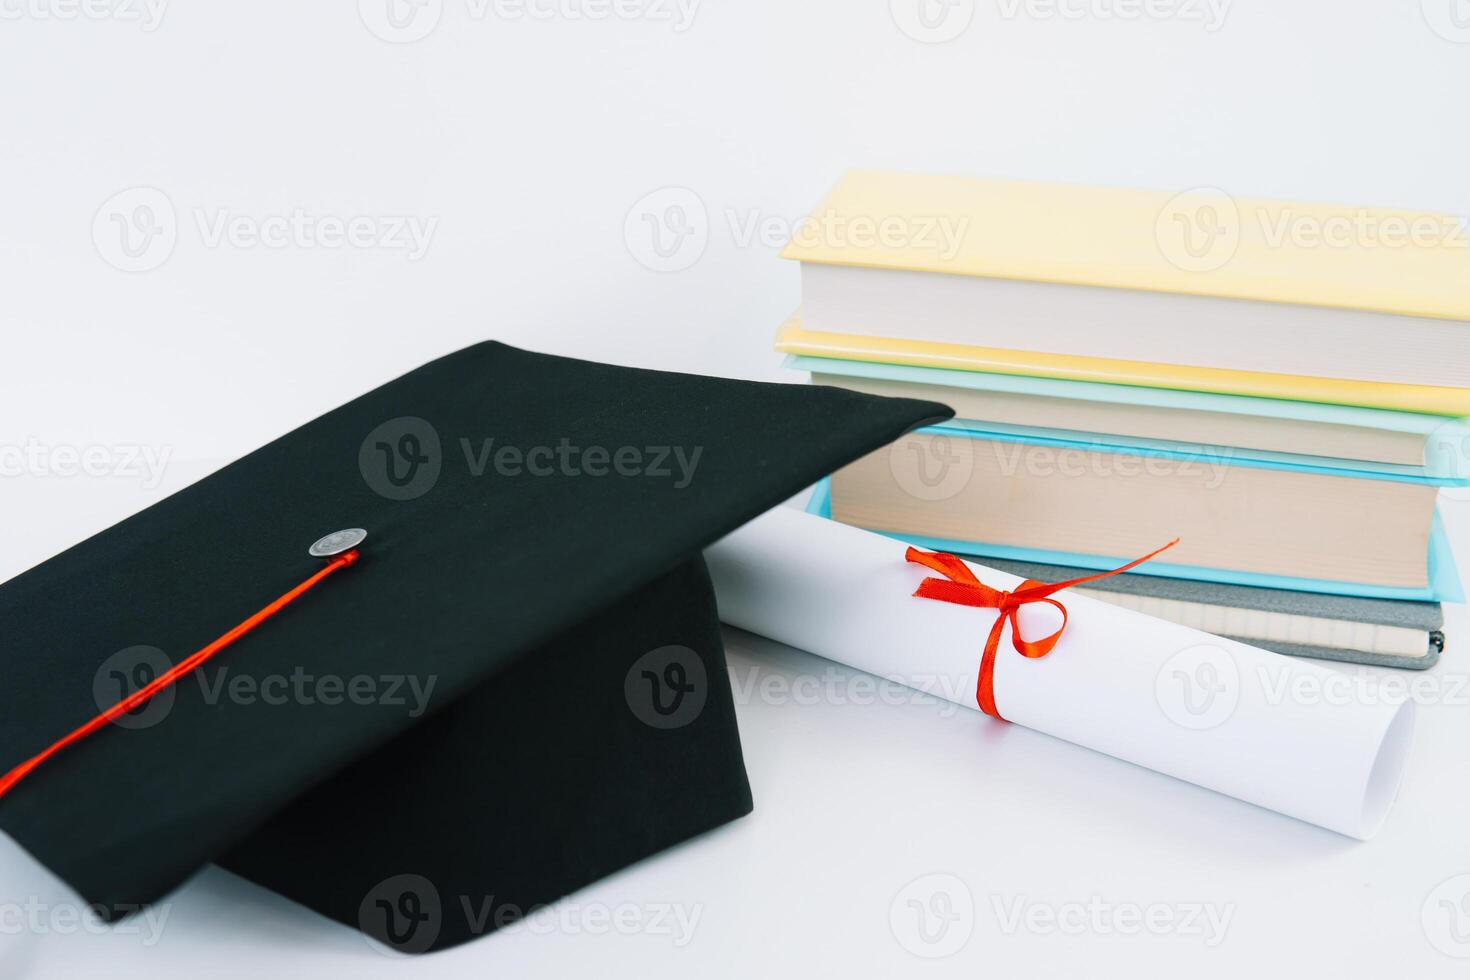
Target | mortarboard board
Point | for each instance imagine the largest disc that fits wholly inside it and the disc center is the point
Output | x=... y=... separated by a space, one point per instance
x=518 y=689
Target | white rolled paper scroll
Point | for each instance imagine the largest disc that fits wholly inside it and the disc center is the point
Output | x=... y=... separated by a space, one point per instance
x=1230 y=717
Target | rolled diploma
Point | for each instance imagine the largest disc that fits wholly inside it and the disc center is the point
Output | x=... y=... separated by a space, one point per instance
x=1116 y=682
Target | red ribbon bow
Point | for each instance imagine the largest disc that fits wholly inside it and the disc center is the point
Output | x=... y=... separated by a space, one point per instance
x=961 y=587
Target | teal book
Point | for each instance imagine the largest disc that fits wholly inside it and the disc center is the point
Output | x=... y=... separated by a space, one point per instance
x=1442 y=578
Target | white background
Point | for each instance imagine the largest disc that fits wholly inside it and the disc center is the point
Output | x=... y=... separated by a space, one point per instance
x=531 y=143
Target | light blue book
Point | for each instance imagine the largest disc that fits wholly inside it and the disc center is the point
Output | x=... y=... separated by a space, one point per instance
x=1403 y=446
x=1444 y=578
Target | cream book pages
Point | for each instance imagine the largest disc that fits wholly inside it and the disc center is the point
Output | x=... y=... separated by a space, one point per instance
x=1268 y=521
x=1136 y=325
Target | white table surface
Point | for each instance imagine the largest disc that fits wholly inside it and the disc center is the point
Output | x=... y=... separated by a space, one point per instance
x=532 y=144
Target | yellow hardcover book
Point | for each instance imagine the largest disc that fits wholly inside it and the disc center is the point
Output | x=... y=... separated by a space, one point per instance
x=793 y=339
x=1197 y=290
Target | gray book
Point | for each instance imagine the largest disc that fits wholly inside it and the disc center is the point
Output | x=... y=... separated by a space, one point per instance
x=1383 y=632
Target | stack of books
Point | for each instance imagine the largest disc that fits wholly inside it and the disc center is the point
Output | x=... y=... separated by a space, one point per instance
x=1282 y=386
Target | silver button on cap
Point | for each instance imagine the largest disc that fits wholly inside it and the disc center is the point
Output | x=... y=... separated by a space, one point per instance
x=338 y=542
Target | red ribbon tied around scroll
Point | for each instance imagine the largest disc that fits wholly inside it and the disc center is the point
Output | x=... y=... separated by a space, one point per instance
x=961 y=587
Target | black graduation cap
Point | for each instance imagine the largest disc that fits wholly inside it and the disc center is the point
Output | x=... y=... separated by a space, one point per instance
x=519 y=687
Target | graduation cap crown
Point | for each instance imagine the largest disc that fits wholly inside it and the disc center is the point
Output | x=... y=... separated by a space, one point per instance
x=518 y=689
